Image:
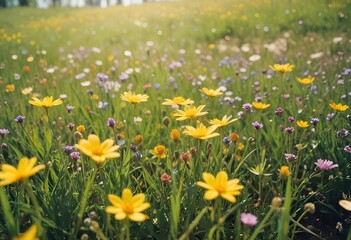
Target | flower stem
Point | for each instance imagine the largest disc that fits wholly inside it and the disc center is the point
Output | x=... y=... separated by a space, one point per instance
x=83 y=203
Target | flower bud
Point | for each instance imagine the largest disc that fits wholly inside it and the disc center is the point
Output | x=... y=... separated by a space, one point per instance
x=166 y=121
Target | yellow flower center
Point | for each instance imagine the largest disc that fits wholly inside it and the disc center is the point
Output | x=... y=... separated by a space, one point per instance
x=178 y=100
x=97 y=150
x=190 y=113
x=221 y=187
x=128 y=208
x=160 y=150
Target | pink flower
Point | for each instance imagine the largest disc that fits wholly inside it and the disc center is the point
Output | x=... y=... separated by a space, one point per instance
x=165 y=178
x=325 y=164
x=248 y=219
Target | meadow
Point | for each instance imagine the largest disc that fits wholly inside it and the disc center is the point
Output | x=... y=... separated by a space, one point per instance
x=195 y=119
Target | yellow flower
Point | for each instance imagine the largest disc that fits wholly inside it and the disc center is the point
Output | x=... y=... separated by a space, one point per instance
x=211 y=92
x=178 y=101
x=282 y=68
x=133 y=98
x=201 y=132
x=25 y=169
x=175 y=135
x=159 y=151
x=220 y=186
x=138 y=138
x=284 y=172
x=128 y=206
x=302 y=124
x=10 y=88
x=189 y=112
x=30 y=234
x=260 y=105
x=306 y=81
x=338 y=107
x=27 y=90
x=97 y=151
x=95 y=97
x=80 y=129
x=241 y=146
x=224 y=122
x=46 y=103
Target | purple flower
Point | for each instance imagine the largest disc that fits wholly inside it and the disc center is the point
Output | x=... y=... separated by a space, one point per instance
x=289 y=130
x=248 y=219
x=343 y=132
x=74 y=155
x=347 y=149
x=247 y=107
x=279 y=111
x=325 y=164
x=19 y=119
x=291 y=119
x=226 y=141
x=69 y=108
x=111 y=122
x=290 y=157
x=314 y=121
x=70 y=126
x=329 y=116
x=257 y=125
x=102 y=77
x=4 y=131
x=102 y=105
x=68 y=149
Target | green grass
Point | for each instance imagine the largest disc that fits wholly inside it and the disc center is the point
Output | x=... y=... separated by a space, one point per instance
x=174 y=49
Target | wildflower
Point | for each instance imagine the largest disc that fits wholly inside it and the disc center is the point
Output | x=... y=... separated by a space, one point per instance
x=276 y=202
x=178 y=101
x=282 y=68
x=97 y=151
x=68 y=149
x=80 y=129
x=26 y=91
x=74 y=155
x=260 y=105
x=226 y=141
x=279 y=111
x=284 y=172
x=133 y=98
x=69 y=108
x=224 y=122
x=257 y=125
x=289 y=130
x=30 y=234
x=10 y=88
x=175 y=135
x=111 y=122
x=310 y=207
x=302 y=124
x=306 y=81
x=241 y=146
x=325 y=164
x=159 y=151
x=70 y=126
x=25 y=169
x=4 y=131
x=247 y=107
x=165 y=178
x=234 y=137
x=128 y=206
x=343 y=132
x=347 y=149
x=190 y=112
x=201 y=132
x=220 y=186
x=248 y=219
x=138 y=138
x=46 y=103
x=314 y=121
x=345 y=204
x=185 y=156
x=211 y=92
x=19 y=119
x=338 y=107
x=290 y=157
x=291 y=119
x=329 y=116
